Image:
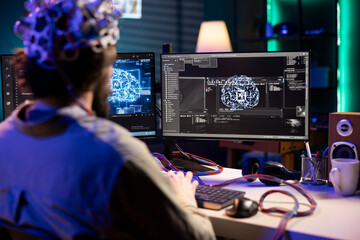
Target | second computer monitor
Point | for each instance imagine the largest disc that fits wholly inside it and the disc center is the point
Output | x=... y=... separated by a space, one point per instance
x=13 y=93
x=259 y=95
x=132 y=101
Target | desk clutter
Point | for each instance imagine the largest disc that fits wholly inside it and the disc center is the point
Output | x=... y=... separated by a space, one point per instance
x=339 y=159
x=245 y=207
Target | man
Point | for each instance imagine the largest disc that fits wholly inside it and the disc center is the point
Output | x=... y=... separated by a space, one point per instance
x=66 y=173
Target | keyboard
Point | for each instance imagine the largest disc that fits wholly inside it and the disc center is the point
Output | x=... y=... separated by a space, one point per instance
x=216 y=198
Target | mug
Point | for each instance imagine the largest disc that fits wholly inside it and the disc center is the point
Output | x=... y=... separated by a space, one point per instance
x=344 y=175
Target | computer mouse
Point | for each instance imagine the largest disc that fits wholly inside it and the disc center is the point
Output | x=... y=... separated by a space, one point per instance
x=243 y=208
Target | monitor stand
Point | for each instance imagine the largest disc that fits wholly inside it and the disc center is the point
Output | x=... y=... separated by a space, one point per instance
x=186 y=162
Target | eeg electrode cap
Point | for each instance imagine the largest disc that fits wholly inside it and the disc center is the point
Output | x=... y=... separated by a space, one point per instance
x=53 y=28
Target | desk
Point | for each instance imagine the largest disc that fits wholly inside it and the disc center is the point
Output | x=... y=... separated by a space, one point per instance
x=335 y=217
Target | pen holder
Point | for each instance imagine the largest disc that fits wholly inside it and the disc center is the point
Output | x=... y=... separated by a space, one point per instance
x=313 y=170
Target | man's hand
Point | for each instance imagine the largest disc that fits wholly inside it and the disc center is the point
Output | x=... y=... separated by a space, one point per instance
x=185 y=189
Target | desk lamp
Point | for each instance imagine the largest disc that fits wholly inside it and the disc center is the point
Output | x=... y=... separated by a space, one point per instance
x=213 y=37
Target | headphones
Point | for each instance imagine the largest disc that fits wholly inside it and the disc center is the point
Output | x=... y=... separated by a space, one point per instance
x=275 y=169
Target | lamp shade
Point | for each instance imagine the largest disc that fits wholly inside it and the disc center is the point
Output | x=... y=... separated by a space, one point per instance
x=213 y=37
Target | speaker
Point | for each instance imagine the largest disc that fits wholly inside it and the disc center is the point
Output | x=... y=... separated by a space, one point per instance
x=344 y=136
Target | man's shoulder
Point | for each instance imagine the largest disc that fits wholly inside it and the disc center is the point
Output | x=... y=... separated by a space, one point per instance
x=102 y=128
x=7 y=125
x=113 y=135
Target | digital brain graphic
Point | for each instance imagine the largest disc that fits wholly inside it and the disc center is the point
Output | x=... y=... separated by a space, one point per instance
x=240 y=92
x=125 y=87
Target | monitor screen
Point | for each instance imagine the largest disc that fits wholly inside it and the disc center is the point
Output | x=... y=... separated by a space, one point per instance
x=258 y=95
x=13 y=93
x=132 y=101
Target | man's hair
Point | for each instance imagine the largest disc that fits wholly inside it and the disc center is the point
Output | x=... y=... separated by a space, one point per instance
x=85 y=71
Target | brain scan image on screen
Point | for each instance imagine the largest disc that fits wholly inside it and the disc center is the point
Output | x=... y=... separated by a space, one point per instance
x=240 y=92
x=125 y=87
x=293 y=125
x=130 y=86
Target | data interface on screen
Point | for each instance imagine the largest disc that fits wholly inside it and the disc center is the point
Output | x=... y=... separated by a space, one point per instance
x=13 y=93
x=132 y=98
x=260 y=95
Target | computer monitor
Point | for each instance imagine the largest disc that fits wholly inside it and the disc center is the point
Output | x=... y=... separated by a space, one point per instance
x=13 y=93
x=245 y=96
x=132 y=101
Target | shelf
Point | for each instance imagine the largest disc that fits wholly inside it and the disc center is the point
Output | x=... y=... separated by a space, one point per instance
x=309 y=16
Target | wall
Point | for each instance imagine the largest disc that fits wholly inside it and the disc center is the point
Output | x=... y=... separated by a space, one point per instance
x=172 y=21
x=222 y=10
x=10 y=10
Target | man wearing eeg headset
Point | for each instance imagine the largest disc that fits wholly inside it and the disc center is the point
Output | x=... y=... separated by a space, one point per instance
x=65 y=173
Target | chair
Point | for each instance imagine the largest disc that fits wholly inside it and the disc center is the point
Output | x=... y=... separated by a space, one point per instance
x=12 y=234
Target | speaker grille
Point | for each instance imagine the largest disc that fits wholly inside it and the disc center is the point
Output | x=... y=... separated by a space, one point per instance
x=343 y=149
x=344 y=128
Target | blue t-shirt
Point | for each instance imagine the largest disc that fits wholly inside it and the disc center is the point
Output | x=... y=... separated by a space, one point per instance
x=64 y=174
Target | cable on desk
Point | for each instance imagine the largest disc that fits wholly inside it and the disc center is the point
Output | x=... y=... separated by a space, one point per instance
x=201 y=160
x=287 y=214
x=182 y=152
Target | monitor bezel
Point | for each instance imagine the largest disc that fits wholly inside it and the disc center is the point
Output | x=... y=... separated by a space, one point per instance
x=120 y=55
x=240 y=138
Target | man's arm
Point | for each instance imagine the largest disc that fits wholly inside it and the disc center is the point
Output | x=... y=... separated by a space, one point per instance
x=146 y=204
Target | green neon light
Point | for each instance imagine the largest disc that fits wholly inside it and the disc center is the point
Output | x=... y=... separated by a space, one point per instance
x=339 y=107
x=272 y=10
x=268 y=11
x=273 y=45
x=270 y=43
x=338 y=99
x=338 y=23
x=347 y=66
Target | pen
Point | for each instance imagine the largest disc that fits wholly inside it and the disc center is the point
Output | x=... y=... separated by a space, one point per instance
x=303 y=153
x=311 y=162
x=325 y=152
x=308 y=149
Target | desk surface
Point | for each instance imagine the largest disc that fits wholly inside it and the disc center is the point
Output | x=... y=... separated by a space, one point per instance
x=335 y=217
